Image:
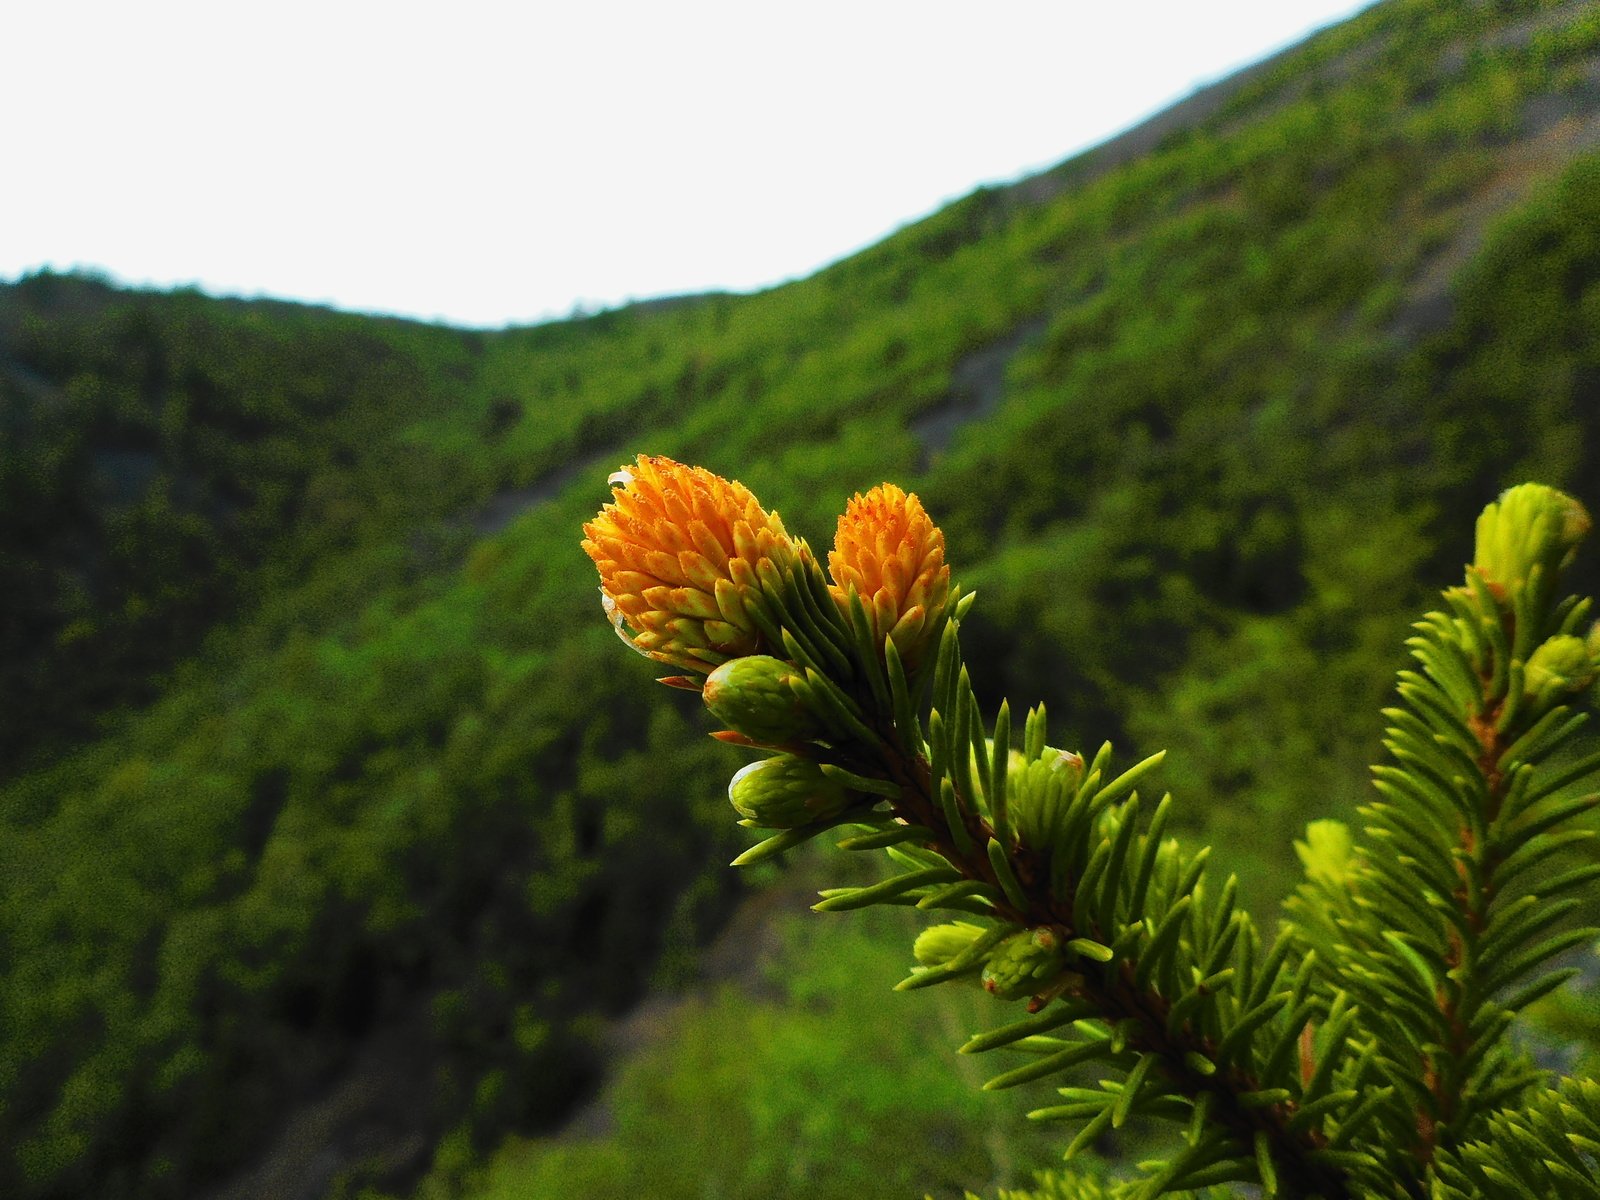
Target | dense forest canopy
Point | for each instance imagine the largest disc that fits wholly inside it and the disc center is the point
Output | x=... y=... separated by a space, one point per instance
x=313 y=735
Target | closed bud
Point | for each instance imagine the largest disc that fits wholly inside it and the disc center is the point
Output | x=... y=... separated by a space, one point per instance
x=1594 y=657
x=1530 y=525
x=787 y=792
x=1068 y=763
x=1038 y=790
x=1328 y=854
x=940 y=944
x=752 y=696
x=1016 y=762
x=1023 y=965
x=1562 y=664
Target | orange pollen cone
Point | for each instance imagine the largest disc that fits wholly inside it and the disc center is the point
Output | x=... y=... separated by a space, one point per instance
x=889 y=551
x=678 y=550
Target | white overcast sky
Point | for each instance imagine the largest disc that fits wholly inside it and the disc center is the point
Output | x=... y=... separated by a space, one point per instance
x=492 y=163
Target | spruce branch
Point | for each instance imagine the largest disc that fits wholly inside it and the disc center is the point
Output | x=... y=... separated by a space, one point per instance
x=1139 y=1021
x=1441 y=919
x=1351 y=1057
x=1550 y=1148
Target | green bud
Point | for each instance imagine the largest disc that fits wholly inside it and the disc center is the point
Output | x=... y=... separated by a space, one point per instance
x=1023 y=965
x=752 y=696
x=1015 y=760
x=787 y=792
x=1039 y=789
x=1069 y=761
x=1328 y=854
x=1593 y=643
x=1529 y=525
x=939 y=944
x=1562 y=664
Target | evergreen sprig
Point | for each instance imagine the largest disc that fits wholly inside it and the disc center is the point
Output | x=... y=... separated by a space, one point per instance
x=1441 y=920
x=1550 y=1147
x=1363 y=1051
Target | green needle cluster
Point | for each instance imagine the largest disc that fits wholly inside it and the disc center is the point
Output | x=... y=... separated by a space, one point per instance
x=1364 y=1050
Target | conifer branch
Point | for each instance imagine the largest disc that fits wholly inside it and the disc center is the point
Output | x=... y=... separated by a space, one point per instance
x=1438 y=921
x=1187 y=1057
x=1359 y=1054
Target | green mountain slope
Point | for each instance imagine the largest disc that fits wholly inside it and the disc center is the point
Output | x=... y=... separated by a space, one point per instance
x=169 y=457
x=1201 y=426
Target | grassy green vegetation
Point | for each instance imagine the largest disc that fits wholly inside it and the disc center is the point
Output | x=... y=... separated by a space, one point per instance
x=313 y=723
x=779 y=1084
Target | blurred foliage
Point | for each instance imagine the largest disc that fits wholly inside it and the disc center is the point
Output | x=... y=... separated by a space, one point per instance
x=164 y=457
x=310 y=718
x=729 y=1099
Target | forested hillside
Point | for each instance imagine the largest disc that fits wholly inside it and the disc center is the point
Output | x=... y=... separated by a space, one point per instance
x=169 y=457
x=321 y=775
